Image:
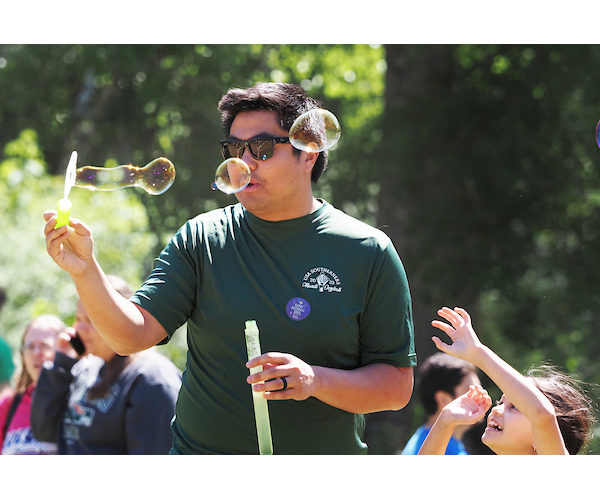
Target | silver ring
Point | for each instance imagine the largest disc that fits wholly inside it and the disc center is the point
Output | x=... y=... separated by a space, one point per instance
x=284 y=383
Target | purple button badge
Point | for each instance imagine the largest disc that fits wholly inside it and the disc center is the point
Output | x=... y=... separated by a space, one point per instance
x=297 y=309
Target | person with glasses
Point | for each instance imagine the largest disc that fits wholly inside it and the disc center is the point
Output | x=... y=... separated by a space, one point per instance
x=329 y=295
x=38 y=346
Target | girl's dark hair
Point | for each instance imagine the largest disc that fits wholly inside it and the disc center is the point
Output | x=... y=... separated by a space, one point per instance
x=116 y=365
x=289 y=101
x=574 y=409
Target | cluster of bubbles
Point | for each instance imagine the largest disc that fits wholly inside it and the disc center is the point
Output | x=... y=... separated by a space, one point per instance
x=313 y=131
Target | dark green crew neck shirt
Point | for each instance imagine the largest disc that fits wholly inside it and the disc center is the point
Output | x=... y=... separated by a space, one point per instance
x=326 y=288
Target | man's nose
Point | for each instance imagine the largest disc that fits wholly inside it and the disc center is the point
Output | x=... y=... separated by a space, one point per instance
x=249 y=159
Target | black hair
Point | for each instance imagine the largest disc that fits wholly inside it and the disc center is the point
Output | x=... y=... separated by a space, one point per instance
x=440 y=372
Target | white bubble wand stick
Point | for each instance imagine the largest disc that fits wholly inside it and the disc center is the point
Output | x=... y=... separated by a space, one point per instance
x=261 y=410
x=64 y=204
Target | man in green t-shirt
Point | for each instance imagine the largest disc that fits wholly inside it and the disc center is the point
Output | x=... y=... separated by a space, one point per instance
x=329 y=295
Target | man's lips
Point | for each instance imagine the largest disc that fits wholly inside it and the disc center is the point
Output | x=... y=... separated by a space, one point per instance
x=252 y=185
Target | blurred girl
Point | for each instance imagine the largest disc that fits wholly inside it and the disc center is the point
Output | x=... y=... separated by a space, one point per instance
x=37 y=346
x=545 y=414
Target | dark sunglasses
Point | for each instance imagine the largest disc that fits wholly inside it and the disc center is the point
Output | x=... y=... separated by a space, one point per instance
x=261 y=148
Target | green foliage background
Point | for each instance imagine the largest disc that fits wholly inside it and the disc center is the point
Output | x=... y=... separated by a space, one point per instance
x=478 y=160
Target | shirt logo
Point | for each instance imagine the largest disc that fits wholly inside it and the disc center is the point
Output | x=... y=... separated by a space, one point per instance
x=322 y=279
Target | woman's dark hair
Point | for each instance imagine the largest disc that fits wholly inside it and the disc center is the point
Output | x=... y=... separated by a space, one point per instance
x=116 y=365
x=440 y=372
x=287 y=100
x=573 y=408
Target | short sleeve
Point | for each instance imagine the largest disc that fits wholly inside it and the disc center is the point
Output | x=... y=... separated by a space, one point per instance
x=386 y=328
x=169 y=293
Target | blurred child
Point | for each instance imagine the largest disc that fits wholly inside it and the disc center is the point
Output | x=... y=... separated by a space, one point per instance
x=440 y=380
x=538 y=415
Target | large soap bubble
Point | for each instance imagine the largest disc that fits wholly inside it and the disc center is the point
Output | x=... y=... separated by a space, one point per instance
x=315 y=131
x=232 y=176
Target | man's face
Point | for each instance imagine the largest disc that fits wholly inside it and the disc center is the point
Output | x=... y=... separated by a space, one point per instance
x=280 y=188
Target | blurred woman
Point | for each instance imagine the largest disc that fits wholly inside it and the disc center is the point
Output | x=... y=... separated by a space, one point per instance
x=37 y=346
x=101 y=403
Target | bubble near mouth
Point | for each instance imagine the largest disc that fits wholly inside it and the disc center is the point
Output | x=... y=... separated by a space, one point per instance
x=232 y=176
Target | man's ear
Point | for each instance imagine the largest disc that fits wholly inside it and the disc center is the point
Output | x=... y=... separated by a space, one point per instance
x=309 y=160
x=442 y=398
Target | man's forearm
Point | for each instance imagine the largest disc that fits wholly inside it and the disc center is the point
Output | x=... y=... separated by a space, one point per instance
x=371 y=388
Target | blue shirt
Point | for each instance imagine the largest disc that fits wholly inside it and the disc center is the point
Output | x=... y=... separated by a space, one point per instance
x=455 y=447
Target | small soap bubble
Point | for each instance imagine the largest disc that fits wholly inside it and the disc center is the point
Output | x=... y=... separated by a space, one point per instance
x=232 y=176
x=315 y=131
x=155 y=178
x=598 y=134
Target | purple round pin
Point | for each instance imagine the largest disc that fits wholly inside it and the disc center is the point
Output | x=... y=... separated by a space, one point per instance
x=297 y=309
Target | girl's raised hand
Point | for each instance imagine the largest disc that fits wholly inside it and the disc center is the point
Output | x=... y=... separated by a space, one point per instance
x=468 y=408
x=464 y=410
x=465 y=343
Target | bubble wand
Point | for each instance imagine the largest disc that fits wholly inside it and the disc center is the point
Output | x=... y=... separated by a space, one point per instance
x=64 y=204
x=261 y=409
x=155 y=178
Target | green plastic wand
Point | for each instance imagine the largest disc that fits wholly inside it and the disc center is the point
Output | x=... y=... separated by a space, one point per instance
x=261 y=410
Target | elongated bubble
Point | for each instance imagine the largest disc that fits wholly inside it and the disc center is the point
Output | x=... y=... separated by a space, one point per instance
x=232 y=176
x=155 y=178
x=598 y=134
x=315 y=131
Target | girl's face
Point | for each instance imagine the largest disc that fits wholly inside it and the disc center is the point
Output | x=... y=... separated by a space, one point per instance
x=508 y=431
x=39 y=346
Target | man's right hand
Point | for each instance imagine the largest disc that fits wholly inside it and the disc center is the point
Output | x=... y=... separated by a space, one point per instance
x=70 y=246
